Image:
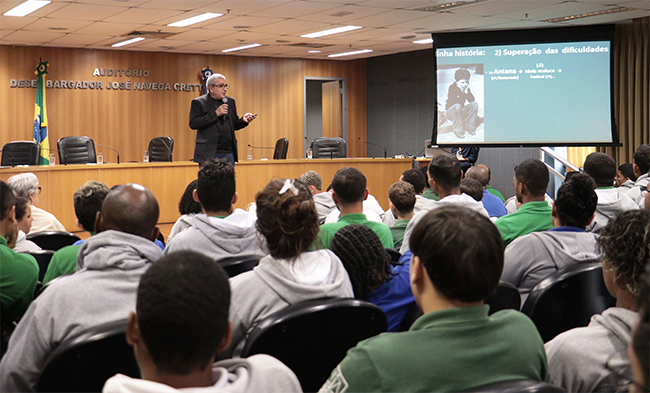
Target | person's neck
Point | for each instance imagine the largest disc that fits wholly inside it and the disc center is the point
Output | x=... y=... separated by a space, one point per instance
x=406 y=216
x=219 y=213
x=351 y=208
x=442 y=193
x=626 y=299
x=531 y=198
x=437 y=302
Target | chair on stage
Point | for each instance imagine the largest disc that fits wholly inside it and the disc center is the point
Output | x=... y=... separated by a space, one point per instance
x=76 y=150
x=84 y=364
x=281 y=148
x=312 y=337
x=160 y=149
x=329 y=148
x=21 y=153
x=53 y=240
x=567 y=299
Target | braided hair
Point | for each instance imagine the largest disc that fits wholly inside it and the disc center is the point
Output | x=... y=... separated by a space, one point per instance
x=363 y=256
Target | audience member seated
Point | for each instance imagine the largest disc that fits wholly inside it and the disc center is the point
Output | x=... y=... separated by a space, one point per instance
x=530 y=258
x=512 y=204
x=322 y=199
x=427 y=192
x=24 y=219
x=287 y=218
x=220 y=232
x=25 y=185
x=577 y=358
x=371 y=208
x=472 y=188
x=177 y=330
x=639 y=347
x=417 y=179
x=491 y=190
x=530 y=182
x=102 y=290
x=611 y=201
x=87 y=201
x=349 y=192
x=373 y=277
x=444 y=178
x=625 y=177
x=18 y=272
x=641 y=169
x=455 y=345
x=402 y=200
x=491 y=202
x=188 y=208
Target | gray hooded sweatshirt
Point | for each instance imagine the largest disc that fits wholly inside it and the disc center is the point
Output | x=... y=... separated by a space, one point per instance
x=258 y=373
x=102 y=290
x=531 y=258
x=272 y=286
x=577 y=358
x=608 y=209
x=219 y=238
x=637 y=193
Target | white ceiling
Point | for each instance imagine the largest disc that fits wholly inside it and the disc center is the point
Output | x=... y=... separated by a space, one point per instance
x=389 y=26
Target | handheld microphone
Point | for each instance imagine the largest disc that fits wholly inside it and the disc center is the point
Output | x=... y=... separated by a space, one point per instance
x=110 y=148
x=225 y=101
x=374 y=144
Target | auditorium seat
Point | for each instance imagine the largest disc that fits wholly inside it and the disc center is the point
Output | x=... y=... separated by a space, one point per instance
x=281 y=148
x=239 y=264
x=394 y=255
x=84 y=364
x=312 y=337
x=160 y=149
x=53 y=240
x=43 y=258
x=505 y=297
x=76 y=150
x=21 y=153
x=567 y=299
x=329 y=148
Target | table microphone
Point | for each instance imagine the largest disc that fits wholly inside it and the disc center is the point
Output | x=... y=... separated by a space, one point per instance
x=110 y=148
x=374 y=144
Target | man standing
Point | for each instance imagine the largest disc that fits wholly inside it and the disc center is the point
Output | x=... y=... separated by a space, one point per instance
x=214 y=117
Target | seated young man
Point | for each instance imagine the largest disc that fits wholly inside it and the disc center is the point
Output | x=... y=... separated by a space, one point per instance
x=625 y=177
x=611 y=201
x=491 y=202
x=349 y=191
x=530 y=182
x=221 y=231
x=530 y=258
x=641 y=167
x=88 y=201
x=455 y=345
x=401 y=199
x=417 y=179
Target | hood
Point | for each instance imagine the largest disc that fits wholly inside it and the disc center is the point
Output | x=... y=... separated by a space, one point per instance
x=643 y=180
x=617 y=320
x=324 y=199
x=113 y=249
x=576 y=247
x=234 y=233
x=610 y=209
x=464 y=200
x=284 y=283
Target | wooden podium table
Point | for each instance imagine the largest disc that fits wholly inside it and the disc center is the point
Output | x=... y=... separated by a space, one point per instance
x=167 y=180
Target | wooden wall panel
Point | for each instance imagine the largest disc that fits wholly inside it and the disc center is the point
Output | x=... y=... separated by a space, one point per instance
x=128 y=119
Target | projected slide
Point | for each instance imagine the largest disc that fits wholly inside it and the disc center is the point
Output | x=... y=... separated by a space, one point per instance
x=534 y=93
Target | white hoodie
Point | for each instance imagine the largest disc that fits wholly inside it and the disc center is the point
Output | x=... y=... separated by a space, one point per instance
x=258 y=373
x=637 y=193
x=611 y=201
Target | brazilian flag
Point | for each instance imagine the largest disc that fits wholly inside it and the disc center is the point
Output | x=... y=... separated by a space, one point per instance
x=40 y=114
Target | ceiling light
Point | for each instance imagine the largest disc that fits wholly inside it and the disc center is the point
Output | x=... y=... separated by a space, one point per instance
x=425 y=41
x=194 y=19
x=313 y=51
x=127 y=42
x=356 y=52
x=241 y=48
x=451 y=4
x=585 y=15
x=335 y=30
x=26 y=8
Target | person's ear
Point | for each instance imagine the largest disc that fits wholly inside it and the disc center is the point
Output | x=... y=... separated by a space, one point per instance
x=416 y=273
x=554 y=211
x=592 y=218
x=132 y=329
x=98 y=222
x=195 y=196
x=366 y=194
x=235 y=198
x=335 y=198
x=155 y=233
x=225 y=341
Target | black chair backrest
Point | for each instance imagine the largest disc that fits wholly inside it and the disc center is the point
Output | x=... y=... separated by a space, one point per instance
x=394 y=255
x=517 y=386
x=505 y=297
x=160 y=149
x=281 y=148
x=312 y=337
x=414 y=312
x=84 y=364
x=239 y=264
x=567 y=299
x=53 y=240
x=329 y=148
x=21 y=153
x=76 y=150
x=43 y=258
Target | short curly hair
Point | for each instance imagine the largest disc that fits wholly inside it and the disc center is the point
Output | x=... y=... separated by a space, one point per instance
x=88 y=201
x=576 y=200
x=402 y=196
x=288 y=221
x=416 y=178
x=625 y=246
